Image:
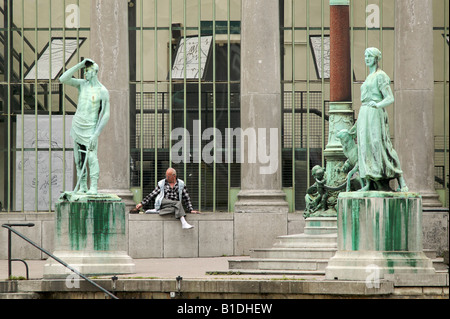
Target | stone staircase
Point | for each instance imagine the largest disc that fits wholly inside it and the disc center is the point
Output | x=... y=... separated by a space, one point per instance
x=304 y=254
x=301 y=254
x=9 y=290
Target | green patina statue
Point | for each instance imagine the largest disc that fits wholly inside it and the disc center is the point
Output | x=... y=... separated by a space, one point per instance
x=320 y=198
x=90 y=118
x=350 y=149
x=377 y=160
x=317 y=195
x=373 y=157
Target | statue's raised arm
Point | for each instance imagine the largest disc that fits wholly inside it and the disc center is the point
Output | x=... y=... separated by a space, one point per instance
x=67 y=77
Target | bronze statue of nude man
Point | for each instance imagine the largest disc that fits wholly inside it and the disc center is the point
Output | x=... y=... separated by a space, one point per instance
x=91 y=116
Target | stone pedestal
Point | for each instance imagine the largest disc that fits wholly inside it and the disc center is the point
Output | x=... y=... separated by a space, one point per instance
x=379 y=233
x=90 y=236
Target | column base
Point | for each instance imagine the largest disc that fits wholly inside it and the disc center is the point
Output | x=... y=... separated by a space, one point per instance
x=259 y=218
x=261 y=201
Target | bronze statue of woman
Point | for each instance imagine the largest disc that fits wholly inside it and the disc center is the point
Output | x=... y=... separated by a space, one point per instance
x=377 y=159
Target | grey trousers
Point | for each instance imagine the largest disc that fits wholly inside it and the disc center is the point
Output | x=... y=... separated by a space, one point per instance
x=172 y=207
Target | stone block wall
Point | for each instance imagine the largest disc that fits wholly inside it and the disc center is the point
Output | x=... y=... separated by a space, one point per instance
x=153 y=236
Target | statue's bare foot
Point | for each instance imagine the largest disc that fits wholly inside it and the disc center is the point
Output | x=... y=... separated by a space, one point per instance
x=83 y=187
x=93 y=188
x=92 y=191
x=402 y=185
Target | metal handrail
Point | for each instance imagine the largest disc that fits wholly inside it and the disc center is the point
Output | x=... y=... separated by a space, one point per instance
x=10 y=260
x=9 y=227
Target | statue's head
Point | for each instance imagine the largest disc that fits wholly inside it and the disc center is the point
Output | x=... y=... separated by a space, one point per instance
x=318 y=172
x=372 y=56
x=345 y=136
x=91 y=70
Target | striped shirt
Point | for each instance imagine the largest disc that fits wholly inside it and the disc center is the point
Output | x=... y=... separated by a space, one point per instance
x=169 y=193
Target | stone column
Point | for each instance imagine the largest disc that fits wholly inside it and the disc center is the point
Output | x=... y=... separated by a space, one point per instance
x=109 y=49
x=341 y=112
x=261 y=209
x=414 y=86
x=340 y=58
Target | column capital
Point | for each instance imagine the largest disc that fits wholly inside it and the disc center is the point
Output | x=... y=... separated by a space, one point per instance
x=339 y=2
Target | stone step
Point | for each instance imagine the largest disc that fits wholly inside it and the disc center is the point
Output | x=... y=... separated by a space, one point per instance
x=320 y=230
x=8 y=286
x=320 y=225
x=321 y=222
x=430 y=253
x=293 y=253
x=267 y=272
x=279 y=264
x=438 y=264
x=19 y=295
x=307 y=240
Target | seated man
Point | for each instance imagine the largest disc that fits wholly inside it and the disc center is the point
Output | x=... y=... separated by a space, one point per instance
x=167 y=196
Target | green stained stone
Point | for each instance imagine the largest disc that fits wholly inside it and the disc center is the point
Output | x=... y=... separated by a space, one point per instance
x=91 y=220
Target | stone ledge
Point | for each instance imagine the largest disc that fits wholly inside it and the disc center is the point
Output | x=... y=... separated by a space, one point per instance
x=233 y=286
x=202 y=216
x=26 y=216
x=418 y=280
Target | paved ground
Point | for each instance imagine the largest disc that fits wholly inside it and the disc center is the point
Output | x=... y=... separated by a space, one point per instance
x=164 y=268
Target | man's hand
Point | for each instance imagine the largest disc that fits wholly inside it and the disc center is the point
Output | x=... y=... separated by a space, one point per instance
x=373 y=104
x=83 y=63
x=195 y=212
x=139 y=206
x=93 y=142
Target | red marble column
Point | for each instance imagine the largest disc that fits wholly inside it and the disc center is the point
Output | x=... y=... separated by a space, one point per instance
x=340 y=58
x=341 y=112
